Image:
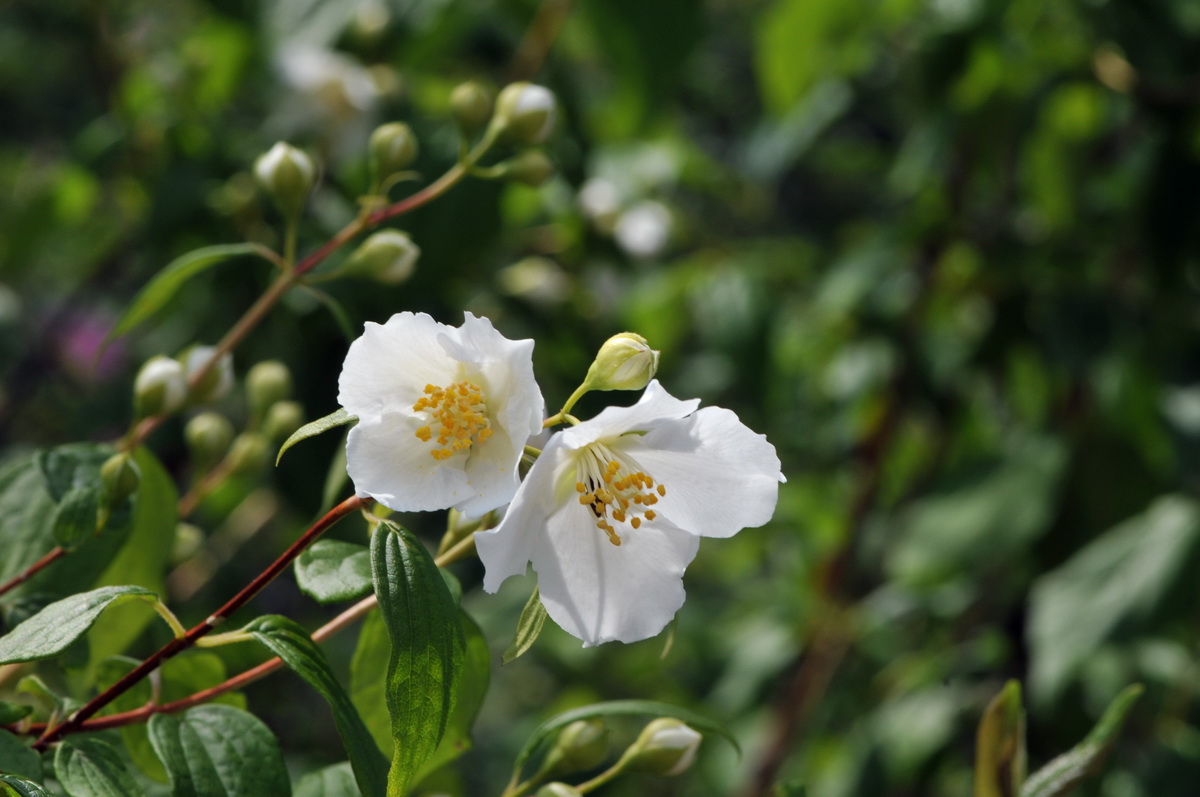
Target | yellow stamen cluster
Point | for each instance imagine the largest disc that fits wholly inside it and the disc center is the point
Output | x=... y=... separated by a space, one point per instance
x=620 y=498
x=459 y=415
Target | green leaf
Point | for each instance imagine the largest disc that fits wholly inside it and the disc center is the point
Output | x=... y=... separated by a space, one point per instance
x=51 y=630
x=529 y=628
x=11 y=712
x=1000 y=745
x=88 y=767
x=427 y=649
x=336 y=780
x=75 y=518
x=1114 y=586
x=1062 y=774
x=641 y=708
x=218 y=751
x=178 y=677
x=338 y=417
x=164 y=285
x=468 y=698
x=71 y=466
x=26 y=517
x=18 y=758
x=142 y=560
x=368 y=680
x=22 y=788
x=290 y=642
x=331 y=571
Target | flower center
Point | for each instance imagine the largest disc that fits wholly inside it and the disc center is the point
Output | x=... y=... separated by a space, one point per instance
x=458 y=418
x=614 y=491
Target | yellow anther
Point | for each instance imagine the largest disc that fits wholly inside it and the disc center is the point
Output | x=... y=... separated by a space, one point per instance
x=580 y=488
x=635 y=522
x=650 y=514
x=425 y=433
x=662 y=489
x=459 y=416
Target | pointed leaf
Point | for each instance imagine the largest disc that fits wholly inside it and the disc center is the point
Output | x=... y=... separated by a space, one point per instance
x=18 y=758
x=218 y=751
x=644 y=708
x=529 y=628
x=338 y=417
x=331 y=571
x=1000 y=745
x=368 y=680
x=290 y=642
x=88 y=767
x=1062 y=774
x=427 y=649
x=22 y=788
x=164 y=285
x=11 y=712
x=53 y=629
x=468 y=698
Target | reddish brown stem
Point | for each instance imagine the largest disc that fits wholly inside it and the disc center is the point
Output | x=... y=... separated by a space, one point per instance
x=57 y=553
x=175 y=646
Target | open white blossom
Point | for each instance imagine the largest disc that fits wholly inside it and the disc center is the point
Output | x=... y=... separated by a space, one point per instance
x=612 y=512
x=444 y=413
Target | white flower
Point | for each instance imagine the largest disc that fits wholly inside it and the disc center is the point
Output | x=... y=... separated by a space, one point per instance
x=444 y=413
x=612 y=511
x=644 y=230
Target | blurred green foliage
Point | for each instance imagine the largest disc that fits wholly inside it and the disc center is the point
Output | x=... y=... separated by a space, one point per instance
x=944 y=254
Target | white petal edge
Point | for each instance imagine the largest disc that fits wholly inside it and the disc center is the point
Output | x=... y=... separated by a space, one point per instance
x=720 y=477
x=386 y=369
x=386 y=461
x=655 y=405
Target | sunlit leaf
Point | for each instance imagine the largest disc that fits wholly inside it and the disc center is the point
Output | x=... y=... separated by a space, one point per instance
x=53 y=629
x=529 y=628
x=218 y=751
x=338 y=417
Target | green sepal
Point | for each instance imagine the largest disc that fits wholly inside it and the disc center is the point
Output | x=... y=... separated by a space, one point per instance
x=529 y=628
x=338 y=417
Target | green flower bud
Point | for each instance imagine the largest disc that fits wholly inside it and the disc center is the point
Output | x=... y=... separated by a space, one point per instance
x=250 y=452
x=665 y=747
x=525 y=113
x=624 y=362
x=392 y=148
x=581 y=745
x=120 y=477
x=267 y=382
x=531 y=167
x=208 y=436
x=187 y=542
x=388 y=256
x=471 y=104
x=286 y=175
x=558 y=790
x=160 y=387
x=283 y=418
x=216 y=383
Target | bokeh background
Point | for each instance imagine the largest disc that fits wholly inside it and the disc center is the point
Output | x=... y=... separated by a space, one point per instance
x=945 y=254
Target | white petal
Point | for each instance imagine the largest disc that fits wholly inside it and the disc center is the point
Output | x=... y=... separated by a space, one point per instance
x=720 y=476
x=387 y=462
x=491 y=472
x=655 y=405
x=600 y=592
x=387 y=368
x=506 y=550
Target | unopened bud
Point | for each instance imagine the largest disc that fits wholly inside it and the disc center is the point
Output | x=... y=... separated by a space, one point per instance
x=392 y=148
x=287 y=175
x=525 y=113
x=388 y=256
x=283 y=418
x=160 y=387
x=267 y=382
x=581 y=745
x=558 y=790
x=120 y=477
x=187 y=542
x=250 y=452
x=665 y=747
x=208 y=436
x=471 y=104
x=624 y=362
x=217 y=381
x=531 y=167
